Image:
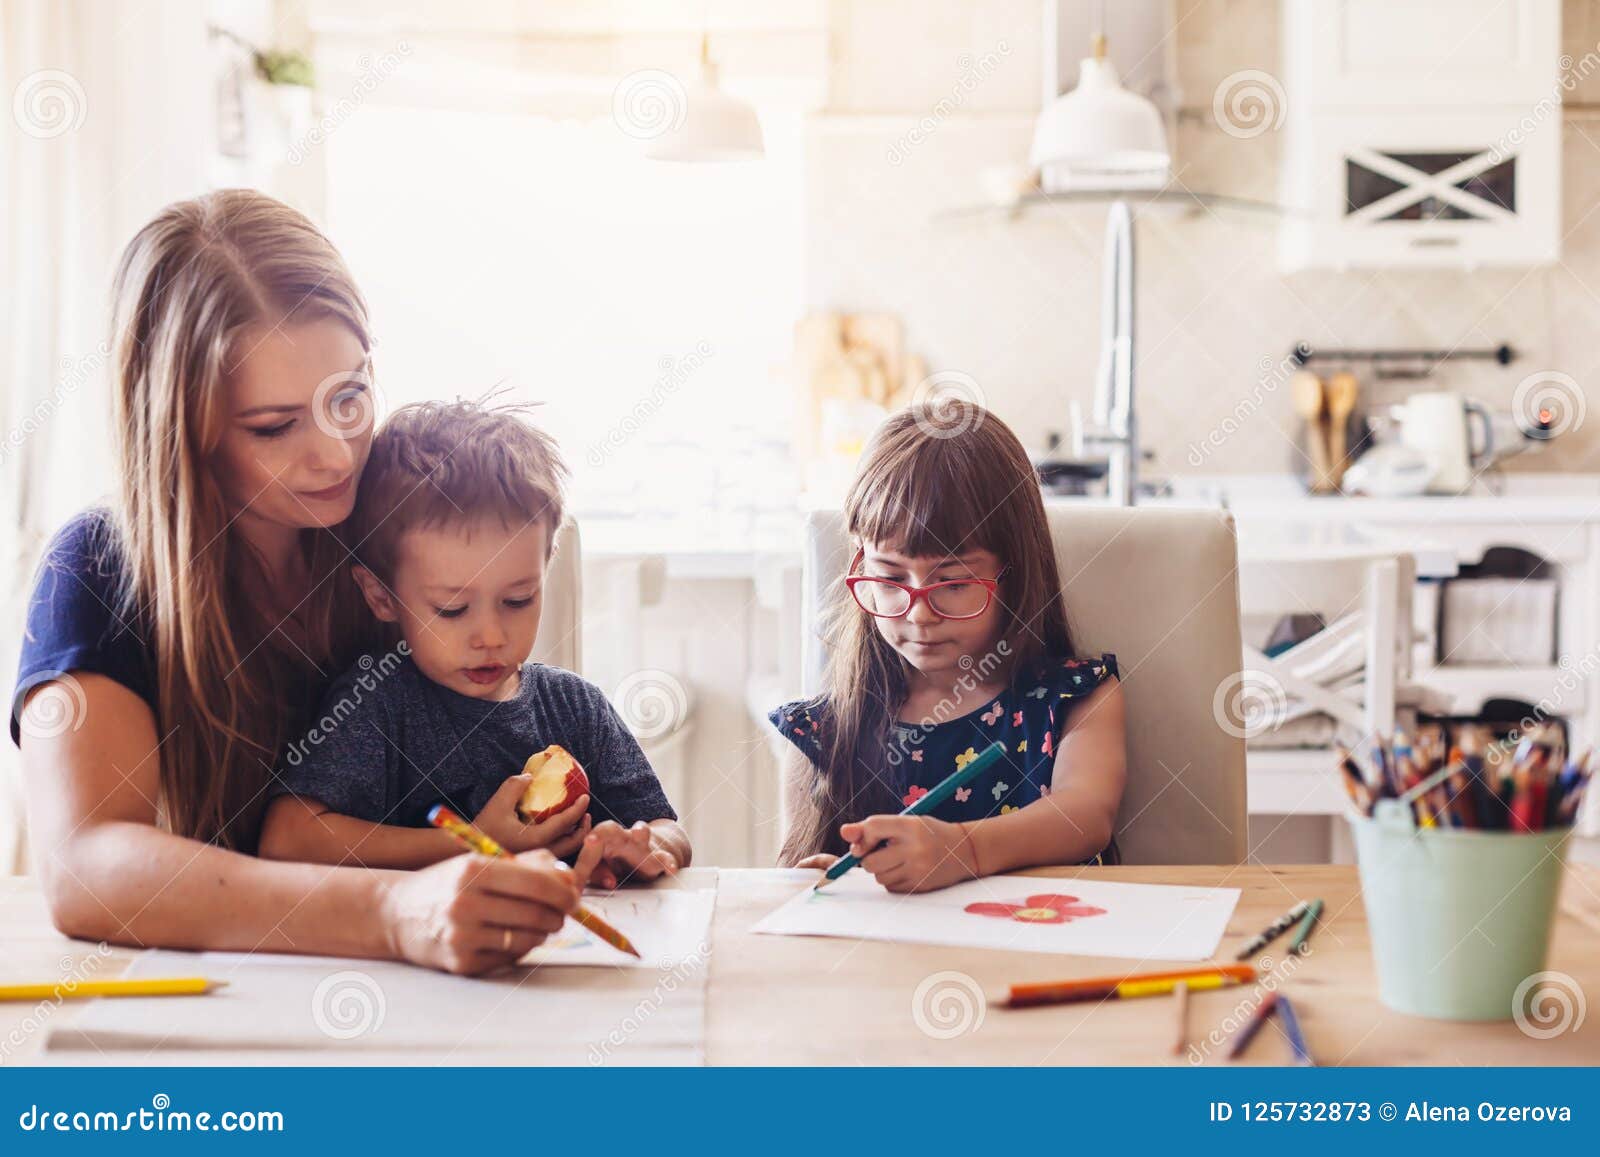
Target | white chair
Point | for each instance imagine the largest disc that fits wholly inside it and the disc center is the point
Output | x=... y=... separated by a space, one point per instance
x=560 y=641
x=1355 y=672
x=1158 y=588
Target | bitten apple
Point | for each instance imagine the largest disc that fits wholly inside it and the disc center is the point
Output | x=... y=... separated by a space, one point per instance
x=558 y=781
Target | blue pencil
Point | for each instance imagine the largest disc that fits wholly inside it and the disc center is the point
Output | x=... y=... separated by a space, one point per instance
x=986 y=759
x=1291 y=1029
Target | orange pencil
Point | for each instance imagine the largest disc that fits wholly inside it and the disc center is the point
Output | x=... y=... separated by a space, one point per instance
x=442 y=817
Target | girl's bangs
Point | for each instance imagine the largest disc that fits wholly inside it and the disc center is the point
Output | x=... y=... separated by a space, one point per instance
x=925 y=511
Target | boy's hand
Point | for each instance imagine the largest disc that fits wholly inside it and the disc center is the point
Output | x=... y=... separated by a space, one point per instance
x=561 y=834
x=636 y=853
x=920 y=854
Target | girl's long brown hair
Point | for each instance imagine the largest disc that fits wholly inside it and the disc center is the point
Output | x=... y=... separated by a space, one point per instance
x=229 y=694
x=925 y=487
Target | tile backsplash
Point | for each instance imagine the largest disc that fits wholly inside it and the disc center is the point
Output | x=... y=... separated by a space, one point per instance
x=924 y=104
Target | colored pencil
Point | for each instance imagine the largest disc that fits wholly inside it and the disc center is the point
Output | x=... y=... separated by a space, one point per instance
x=442 y=817
x=1246 y=1034
x=1272 y=931
x=1127 y=987
x=1180 y=1002
x=1291 y=1028
x=81 y=989
x=1302 y=935
x=1524 y=786
x=946 y=788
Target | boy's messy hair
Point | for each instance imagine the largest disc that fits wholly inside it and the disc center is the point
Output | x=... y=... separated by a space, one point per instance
x=449 y=464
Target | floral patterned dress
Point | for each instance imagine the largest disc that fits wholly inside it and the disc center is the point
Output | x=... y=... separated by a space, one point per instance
x=1028 y=717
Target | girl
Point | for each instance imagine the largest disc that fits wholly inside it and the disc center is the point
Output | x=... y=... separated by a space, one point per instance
x=949 y=633
x=177 y=639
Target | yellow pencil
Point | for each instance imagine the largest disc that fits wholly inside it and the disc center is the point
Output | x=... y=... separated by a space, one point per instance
x=1129 y=989
x=442 y=817
x=76 y=989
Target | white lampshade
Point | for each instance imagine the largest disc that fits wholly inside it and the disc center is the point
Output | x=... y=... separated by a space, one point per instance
x=1099 y=130
x=715 y=127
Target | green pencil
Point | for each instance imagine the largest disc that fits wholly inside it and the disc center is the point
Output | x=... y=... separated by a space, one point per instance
x=985 y=759
x=1298 y=945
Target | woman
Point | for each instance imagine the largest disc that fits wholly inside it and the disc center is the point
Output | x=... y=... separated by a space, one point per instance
x=179 y=639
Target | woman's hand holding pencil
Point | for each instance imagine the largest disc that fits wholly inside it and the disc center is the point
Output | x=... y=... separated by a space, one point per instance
x=576 y=877
x=472 y=915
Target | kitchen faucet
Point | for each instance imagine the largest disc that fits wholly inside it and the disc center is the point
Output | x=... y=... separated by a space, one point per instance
x=1114 y=433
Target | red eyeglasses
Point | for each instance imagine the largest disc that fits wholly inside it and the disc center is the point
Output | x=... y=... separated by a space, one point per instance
x=955 y=599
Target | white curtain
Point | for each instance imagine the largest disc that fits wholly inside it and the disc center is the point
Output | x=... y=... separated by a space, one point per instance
x=107 y=117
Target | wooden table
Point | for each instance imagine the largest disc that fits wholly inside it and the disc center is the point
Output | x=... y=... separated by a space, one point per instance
x=816 y=1001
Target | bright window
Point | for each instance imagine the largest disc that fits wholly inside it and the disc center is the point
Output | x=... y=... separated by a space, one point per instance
x=648 y=305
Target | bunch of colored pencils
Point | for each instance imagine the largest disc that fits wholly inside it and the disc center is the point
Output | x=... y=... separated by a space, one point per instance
x=1525 y=784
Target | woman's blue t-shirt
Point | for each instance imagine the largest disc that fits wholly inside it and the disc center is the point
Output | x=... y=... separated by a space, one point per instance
x=76 y=620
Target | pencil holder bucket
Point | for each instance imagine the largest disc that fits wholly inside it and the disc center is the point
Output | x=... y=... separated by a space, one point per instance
x=1459 y=919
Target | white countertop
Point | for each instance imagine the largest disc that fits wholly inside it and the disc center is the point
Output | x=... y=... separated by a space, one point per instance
x=1521 y=498
x=1273 y=512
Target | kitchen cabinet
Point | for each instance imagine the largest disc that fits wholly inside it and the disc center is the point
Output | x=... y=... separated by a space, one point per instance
x=1410 y=145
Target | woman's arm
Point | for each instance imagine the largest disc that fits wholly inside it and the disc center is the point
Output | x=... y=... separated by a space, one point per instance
x=109 y=873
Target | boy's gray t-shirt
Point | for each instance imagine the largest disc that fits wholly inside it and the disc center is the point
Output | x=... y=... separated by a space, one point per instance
x=389 y=743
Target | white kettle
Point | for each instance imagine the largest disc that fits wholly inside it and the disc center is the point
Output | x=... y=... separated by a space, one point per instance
x=1439 y=427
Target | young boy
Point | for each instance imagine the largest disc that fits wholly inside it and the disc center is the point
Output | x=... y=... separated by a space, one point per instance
x=454 y=524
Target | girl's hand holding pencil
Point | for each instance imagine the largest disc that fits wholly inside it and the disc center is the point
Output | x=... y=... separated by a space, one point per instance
x=911 y=853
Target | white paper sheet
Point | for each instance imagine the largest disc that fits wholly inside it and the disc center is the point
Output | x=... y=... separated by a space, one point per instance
x=639 y=1013
x=1142 y=921
x=667 y=927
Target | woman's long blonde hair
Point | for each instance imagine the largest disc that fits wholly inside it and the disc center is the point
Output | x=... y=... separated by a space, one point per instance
x=924 y=489
x=229 y=694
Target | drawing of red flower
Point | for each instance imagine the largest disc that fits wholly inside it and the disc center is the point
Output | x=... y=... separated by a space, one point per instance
x=914 y=795
x=1046 y=908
